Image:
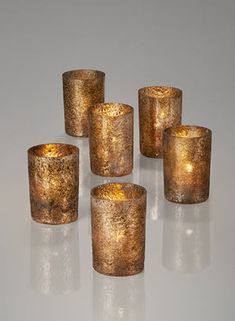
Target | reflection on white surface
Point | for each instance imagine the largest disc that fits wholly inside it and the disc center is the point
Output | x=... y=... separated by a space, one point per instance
x=118 y=298
x=186 y=237
x=54 y=258
x=84 y=162
x=151 y=177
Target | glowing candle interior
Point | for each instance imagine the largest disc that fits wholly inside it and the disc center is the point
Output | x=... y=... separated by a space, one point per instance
x=188 y=167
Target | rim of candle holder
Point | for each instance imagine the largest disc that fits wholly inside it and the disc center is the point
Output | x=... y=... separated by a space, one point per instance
x=97 y=191
x=199 y=131
x=111 y=109
x=46 y=150
x=160 y=92
x=83 y=74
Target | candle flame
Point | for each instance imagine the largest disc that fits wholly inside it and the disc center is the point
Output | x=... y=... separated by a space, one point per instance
x=189 y=167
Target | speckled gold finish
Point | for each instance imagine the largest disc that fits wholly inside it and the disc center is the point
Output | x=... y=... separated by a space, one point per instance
x=53 y=182
x=118 y=212
x=187 y=155
x=159 y=108
x=82 y=89
x=111 y=139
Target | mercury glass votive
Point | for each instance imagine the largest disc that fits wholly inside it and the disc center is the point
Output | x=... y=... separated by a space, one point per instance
x=111 y=139
x=187 y=156
x=118 y=213
x=160 y=107
x=82 y=89
x=53 y=183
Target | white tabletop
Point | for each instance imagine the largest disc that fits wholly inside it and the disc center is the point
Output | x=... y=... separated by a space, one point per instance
x=46 y=272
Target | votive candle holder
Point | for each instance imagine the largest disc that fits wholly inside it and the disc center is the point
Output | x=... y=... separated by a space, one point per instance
x=111 y=139
x=118 y=214
x=82 y=89
x=187 y=157
x=160 y=107
x=53 y=183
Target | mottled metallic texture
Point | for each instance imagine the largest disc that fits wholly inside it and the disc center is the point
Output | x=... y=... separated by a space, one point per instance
x=111 y=139
x=53 y=183
x=187 y=155
x=159 y=108
x=82 y=89
x=118 y=213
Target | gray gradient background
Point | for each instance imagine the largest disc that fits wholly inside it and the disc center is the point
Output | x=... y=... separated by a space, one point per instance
x=45 y=272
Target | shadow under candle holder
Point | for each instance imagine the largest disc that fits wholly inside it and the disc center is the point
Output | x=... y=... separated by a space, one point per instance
x=54 y=261
x=186 y=238
x=118 y=298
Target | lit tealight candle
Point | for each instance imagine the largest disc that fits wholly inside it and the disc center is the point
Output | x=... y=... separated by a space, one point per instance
x=188 y=167
x=187 y=154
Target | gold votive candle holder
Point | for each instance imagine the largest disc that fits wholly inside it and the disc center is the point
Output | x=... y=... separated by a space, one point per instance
x=160 y=107
x=111 y=139
x=53 y=183
x=187 y=156
x=118 y=214
x=82 y=89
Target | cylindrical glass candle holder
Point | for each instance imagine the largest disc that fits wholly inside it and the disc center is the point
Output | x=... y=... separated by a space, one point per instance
x=111 y=139
x=159 y=108
x=187 y=155
x=53 y=182
x=118 y=213
x=82 y=89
